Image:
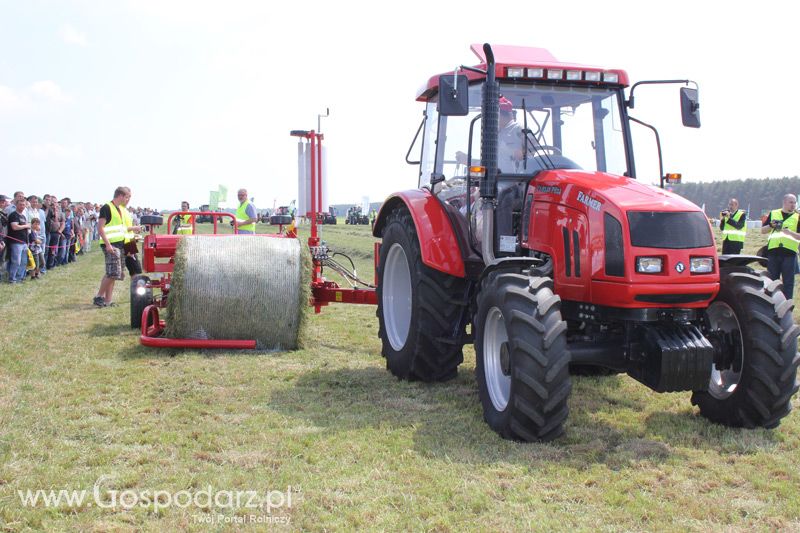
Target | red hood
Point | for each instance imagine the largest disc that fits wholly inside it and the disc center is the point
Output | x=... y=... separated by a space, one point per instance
x=625 y=193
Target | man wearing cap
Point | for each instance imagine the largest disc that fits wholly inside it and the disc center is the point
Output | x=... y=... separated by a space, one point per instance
x=510 y=147
x=509 y=139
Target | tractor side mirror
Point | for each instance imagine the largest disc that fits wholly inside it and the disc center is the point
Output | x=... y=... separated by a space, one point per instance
x=453 y=95
x=690 y=107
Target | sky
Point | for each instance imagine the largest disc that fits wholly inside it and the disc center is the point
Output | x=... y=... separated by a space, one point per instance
x=174 y=98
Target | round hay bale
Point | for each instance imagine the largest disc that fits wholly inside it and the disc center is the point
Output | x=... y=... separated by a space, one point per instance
x=239 y=287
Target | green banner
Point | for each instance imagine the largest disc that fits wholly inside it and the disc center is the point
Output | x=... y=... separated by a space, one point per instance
x=223 y=193
x=213 y=200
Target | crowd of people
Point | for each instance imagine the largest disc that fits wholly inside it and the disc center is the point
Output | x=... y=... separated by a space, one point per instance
x=39 y=234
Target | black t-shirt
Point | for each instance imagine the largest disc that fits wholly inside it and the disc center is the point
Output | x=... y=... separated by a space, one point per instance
x=105 y=213
x=20 y=235
x=780 y=250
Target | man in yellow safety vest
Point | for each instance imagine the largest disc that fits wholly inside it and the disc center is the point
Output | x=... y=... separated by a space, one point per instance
x=783 y=242
x=732 y=223
x=113 y=228
x=246 y=214
x=183 y=224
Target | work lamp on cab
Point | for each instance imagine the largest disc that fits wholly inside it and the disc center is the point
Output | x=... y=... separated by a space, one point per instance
x=591 y=76
x=649 y=265
x=610 y=77
x=555 y=74
x=515 y=72
x=536 y=73
x=573 y=75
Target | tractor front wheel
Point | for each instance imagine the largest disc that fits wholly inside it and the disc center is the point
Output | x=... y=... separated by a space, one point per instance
x=522 y=358
x=753 y=382
x=421 y=311
x=141 y=297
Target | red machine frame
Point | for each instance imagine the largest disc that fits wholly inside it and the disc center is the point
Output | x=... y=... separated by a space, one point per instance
x=323 y=291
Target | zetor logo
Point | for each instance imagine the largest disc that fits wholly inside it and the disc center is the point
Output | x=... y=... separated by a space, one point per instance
x=591 y=203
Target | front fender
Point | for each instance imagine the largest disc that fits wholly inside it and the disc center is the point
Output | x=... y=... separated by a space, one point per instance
x=437 y=240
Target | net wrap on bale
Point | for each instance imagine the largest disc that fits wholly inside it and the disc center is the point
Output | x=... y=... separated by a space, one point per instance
x=239 y=287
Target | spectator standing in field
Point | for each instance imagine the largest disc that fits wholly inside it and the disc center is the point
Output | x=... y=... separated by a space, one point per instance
x=3 y=232
x=11 y=207
x=56 y=223
x=732 y=224
x=246 y=214
x=17 y=242
x=63 y=250
x=35 y=244
x=783 y=243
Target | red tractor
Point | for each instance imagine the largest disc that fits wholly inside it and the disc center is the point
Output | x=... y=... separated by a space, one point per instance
x=530 y=237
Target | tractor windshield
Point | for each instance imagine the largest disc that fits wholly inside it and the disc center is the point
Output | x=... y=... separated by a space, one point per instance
x=541 y=127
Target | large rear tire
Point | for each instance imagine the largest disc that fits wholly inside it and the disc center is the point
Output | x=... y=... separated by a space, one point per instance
x=755 y=388
x=421 y=311
x=522 y=357
x=141 y=297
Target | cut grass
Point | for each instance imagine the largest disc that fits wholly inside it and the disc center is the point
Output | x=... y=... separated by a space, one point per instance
x=81 y=399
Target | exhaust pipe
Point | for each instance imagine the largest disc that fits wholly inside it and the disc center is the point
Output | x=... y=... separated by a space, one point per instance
x=491 y=120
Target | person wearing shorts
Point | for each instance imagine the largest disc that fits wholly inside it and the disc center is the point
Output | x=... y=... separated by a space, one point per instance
x=112 y=227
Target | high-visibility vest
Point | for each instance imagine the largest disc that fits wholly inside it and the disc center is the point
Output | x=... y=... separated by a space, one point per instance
x=729 y=232
x=778 y=239
x=128 y=220
x=241 y=216
x=185 y=227
x=115 y=228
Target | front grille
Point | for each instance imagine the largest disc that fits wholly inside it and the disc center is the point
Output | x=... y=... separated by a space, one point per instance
x=670 y=229
x=672 y=298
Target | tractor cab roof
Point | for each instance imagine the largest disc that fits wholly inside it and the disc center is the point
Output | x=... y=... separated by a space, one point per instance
x=522 y=63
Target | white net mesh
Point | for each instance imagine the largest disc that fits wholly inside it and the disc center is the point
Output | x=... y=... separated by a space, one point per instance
x=243 y=287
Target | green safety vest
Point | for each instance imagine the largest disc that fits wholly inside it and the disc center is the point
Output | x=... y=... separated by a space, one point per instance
x=185 y=227
x=778 y=239
x=729 y=232
x=128 y=220
x=115 y=228
x=241 y=215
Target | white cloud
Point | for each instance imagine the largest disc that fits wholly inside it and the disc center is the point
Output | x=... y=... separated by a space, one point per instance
x=49 y=90
x=46 y=150
x=72 y=36
x=9 y=99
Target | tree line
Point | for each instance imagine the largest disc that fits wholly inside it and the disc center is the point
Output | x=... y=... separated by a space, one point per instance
x=757 y=195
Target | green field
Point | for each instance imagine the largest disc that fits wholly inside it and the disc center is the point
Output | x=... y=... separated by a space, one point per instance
x=82 y=401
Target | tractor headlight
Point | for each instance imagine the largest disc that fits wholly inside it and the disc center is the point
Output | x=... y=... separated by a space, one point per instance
x=649 y=265
x=701 y=265
x=140 y=291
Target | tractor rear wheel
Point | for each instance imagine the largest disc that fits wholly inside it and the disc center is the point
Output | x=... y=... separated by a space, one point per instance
x=141 y=297
x=753 y=387
x=522 y=358
x=421 y=311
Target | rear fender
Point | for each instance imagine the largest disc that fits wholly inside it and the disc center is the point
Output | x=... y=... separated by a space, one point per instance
x=437 y=240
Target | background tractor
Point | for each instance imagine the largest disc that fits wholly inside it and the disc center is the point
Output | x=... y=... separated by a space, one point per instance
x=356 y=216
x=281 y=217
x=530 y=237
